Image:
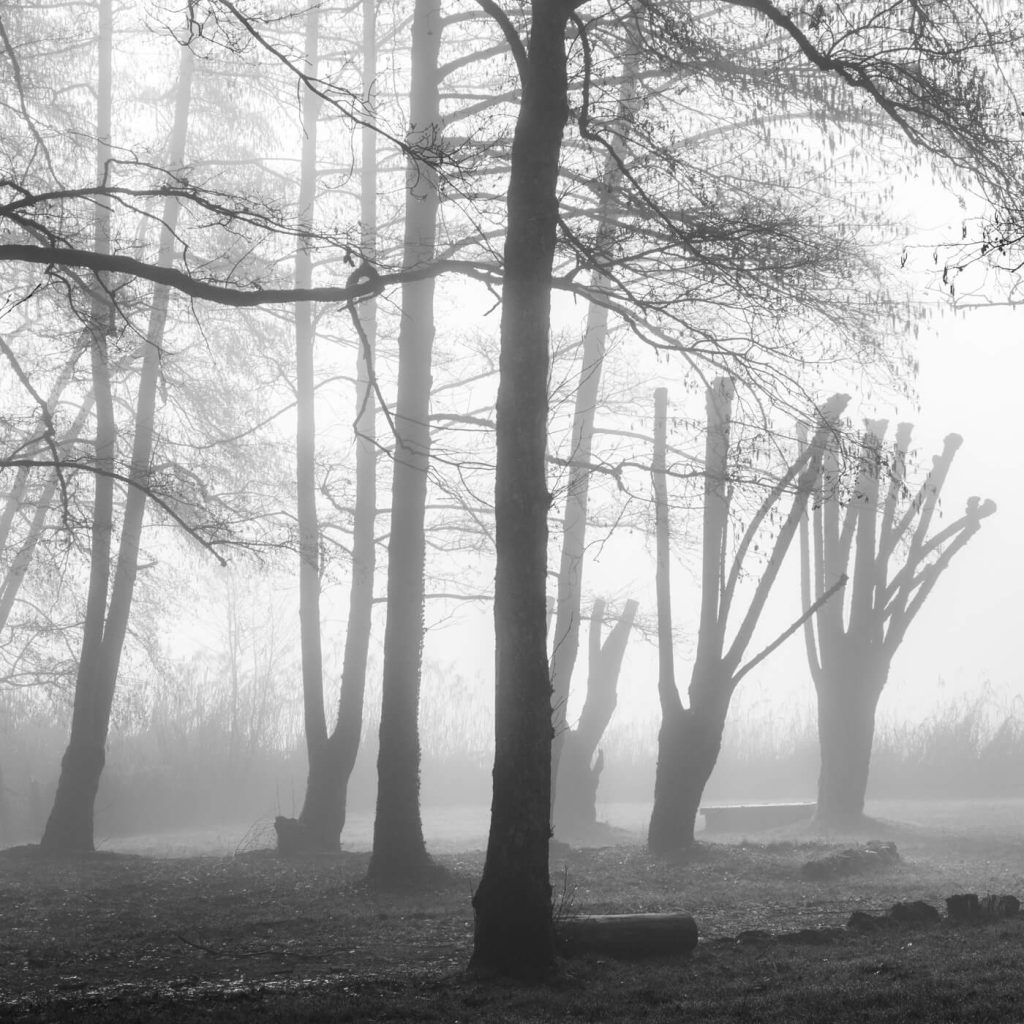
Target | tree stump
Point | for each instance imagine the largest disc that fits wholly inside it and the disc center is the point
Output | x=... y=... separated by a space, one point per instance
x=628 y=936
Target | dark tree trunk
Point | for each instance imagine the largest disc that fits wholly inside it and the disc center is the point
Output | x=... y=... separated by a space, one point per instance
x=847 y=700
x=689 y=743
x=579 y=771
x=399 y=853
x=690 y=739
x=318 y=828
x=514 y=931
x=69 y=828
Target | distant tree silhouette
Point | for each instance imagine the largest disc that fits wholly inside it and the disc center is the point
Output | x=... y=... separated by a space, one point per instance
x=883 y=531
x=690 y=737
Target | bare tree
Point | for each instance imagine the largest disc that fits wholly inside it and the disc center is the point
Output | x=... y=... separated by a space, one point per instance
x=850 y=649
x=690 y=737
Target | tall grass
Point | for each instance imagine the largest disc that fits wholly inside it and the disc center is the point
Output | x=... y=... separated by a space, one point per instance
x=969 y=747
x=200 y=751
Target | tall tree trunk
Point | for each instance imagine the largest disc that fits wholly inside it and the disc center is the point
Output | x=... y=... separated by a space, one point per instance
x=349 y=726
x=399 y=853
x=305 y=408
x=514 y=932
x=291 y=840
x=333 y=757
x=70 y=826
x=565 y=642
x=314 y=831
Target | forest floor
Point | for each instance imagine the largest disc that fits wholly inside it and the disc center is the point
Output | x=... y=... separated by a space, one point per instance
x=124 y=937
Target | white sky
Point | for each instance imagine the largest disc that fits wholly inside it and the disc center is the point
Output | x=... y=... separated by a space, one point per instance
x=969 y=632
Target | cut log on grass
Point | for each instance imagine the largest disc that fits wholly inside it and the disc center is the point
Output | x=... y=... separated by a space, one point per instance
x=628 y=936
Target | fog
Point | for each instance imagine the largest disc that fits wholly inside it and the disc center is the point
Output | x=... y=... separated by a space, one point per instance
x=250 y=516
x=949 y=722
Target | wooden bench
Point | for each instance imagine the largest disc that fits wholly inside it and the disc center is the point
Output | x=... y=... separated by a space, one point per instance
x=755 y=817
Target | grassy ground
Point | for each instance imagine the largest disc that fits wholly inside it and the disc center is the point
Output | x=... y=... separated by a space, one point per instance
x=129 y=938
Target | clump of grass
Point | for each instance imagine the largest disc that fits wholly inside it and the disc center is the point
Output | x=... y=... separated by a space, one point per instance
x=563 y=899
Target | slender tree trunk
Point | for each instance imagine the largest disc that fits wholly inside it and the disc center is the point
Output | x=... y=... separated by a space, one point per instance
x=322 y=819
x=349 y=727
x=70 y=826
x=399 y=853
x=565 y=644
x=314 y=830
x=514 y=932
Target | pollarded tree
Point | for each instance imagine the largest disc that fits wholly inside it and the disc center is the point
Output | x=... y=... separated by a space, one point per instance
x=690 y=737
x=895 y=565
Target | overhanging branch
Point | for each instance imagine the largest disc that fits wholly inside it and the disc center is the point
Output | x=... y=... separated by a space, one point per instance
x=225 y=295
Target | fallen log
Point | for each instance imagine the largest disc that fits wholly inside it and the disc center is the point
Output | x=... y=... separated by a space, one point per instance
x=628 y=936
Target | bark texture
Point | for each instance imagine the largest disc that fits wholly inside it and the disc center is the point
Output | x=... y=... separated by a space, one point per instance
x=514 y=933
